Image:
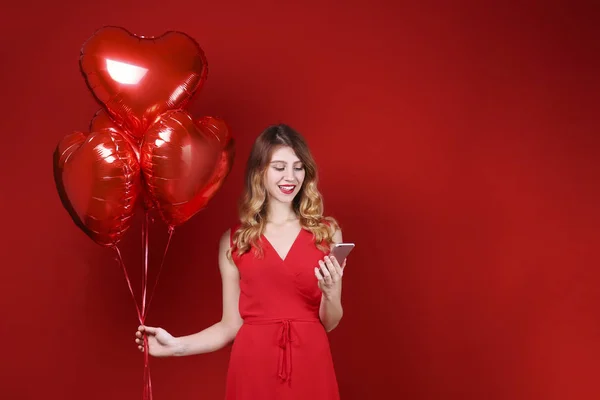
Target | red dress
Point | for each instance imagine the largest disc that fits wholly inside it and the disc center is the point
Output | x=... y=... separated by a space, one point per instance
x=281 y=352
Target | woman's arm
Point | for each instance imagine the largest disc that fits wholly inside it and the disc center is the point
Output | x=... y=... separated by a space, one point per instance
x=223 y=332
x=330 y=310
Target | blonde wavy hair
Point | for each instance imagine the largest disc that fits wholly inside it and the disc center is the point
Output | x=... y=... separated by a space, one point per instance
x=308 y=203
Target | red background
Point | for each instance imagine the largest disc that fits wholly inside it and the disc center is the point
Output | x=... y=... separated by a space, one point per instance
x=458 y=146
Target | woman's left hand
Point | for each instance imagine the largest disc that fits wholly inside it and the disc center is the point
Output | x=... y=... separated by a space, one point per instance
x=329 y=276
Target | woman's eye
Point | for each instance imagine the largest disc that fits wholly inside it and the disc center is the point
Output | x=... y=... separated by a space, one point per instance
x=279 y=169
x=299 y=168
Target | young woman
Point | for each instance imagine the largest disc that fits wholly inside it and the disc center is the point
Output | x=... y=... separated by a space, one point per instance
x=281 y=292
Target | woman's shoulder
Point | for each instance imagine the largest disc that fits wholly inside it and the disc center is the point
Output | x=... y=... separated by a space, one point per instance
x=225 y=240
x=333 y=226
x=326 y=232
x=227 y=236
x=226 y=244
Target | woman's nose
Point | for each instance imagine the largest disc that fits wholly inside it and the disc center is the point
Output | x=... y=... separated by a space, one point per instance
x=289 y=175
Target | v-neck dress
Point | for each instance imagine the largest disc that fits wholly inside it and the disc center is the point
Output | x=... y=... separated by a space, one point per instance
x=281 y=352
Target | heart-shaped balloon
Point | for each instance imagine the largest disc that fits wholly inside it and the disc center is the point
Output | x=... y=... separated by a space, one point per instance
x=138 y=78
x=102 y=121
x=184 y=163
x=97 y=176
x=219 y=128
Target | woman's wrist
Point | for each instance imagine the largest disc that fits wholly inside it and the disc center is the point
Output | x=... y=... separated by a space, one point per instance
x=334 y=298
x=179 y=347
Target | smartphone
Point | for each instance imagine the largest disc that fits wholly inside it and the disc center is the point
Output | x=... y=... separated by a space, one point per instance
x=340 y=251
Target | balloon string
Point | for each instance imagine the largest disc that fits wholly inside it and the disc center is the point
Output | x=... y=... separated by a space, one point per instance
x=147 y=389
x=122 y=264
x=162 y=262
x=147 y=393
x=145 y=230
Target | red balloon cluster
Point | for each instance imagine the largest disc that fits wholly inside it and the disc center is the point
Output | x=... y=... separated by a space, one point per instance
x=143 y=147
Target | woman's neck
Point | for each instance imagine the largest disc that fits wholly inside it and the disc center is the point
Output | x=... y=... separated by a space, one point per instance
x=279 y=213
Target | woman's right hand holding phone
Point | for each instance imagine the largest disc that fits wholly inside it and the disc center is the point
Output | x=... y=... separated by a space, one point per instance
x=160 y=342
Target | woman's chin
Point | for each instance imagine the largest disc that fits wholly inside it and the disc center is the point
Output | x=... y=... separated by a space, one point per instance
x=283 y=198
